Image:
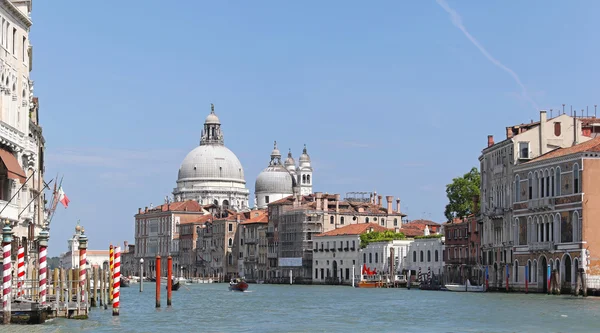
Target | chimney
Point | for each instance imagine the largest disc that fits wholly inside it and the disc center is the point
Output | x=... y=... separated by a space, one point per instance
x=337 y=203
x=390 y=208
x=575 y=132
x=398 y=205
x=374 y=197
x=139 y=210
x=125 y=247
x=509 y=132
x=326 y=204
x=379 y=200
x=318 y=196
x=543 y=120
x=146 y=210
x=490 y=140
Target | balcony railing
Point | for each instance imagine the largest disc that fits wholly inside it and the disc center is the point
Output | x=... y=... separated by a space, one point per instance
x=541 y=246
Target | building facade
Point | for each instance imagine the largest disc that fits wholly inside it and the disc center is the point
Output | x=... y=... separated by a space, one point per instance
x=70 y=259
x=157 y=232
x=523 y=143
x=253 y=246
x=211 y=173
x=556 y=210
x=425 y=255
x=189 y=232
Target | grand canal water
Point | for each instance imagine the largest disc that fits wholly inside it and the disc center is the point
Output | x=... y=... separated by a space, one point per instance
x=284 y=308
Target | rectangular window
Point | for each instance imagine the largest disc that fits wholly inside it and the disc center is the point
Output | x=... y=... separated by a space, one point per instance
x=523 y=149
x=266 y=199
x=24 y=49
x=14 y=39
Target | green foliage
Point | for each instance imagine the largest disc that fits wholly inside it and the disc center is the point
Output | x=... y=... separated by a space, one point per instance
x=429 y=236
x=377 y=236
x=53 y=262
x=460 y=194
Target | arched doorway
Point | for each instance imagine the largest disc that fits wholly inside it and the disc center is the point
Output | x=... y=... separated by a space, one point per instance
x=567 y=269
x=544 y=274
x=495 y=281
x=335 y=271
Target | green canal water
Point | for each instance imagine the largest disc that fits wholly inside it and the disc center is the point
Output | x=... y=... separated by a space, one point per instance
x=284 y=308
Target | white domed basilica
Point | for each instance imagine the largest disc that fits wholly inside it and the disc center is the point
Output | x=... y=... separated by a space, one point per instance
x=278 y=181
x=211 y=173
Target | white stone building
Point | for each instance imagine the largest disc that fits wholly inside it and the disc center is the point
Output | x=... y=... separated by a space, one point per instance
x=424 y=255
x=21 y=140
x=211 y=173
x=523 y=143
x=95 y=258
x=376 y=256
x=278 y=181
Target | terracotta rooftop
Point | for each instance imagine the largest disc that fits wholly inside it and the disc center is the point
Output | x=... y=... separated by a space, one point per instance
x=188 y=205
x=200 y=219
x=355 y=229
x=412 y=231
x=423 y=222
x=344 y=207
x=592 y=145
x=261 y=217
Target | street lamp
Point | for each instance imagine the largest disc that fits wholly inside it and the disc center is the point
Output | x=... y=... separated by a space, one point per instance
x=141 y=274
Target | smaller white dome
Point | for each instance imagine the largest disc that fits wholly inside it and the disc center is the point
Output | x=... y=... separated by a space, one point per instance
x=289 y=161
x=212 y=119
x=274 y=179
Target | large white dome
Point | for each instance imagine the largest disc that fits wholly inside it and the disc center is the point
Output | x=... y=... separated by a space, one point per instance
x=211 y=162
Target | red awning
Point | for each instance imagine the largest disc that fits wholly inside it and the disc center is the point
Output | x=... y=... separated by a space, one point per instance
x=14 y=169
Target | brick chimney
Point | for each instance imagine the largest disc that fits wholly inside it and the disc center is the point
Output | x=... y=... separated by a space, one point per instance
x=125 y=246
x=325 y=204
x=139 y=210
x=337 y=203
x=509 y=132
x=379 y=197
x=390 y=207
x=374 y=199
x=398 y=205
x=318 y=197
x=543 y=120
x=146 y=210
x=490 y=140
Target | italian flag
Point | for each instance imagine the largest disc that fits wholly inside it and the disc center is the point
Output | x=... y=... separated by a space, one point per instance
x=62 y=197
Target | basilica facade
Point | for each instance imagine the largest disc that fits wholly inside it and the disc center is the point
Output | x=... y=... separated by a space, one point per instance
x=211 y=173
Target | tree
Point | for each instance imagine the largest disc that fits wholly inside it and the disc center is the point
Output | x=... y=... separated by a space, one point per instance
x=460 y=194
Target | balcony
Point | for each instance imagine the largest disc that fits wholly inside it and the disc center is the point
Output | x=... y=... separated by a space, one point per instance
x=345 y=249
x=271 y=255
x=541 y=204
x=251 y=240
x=541 y=246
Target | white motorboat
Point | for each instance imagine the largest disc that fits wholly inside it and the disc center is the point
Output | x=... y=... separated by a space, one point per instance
x=464 y=288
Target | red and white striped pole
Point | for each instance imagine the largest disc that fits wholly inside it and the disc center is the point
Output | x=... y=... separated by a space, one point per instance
x=20 y=270
x=82 y=263
x=116 y=281
x=43 y=250
x=6 y=274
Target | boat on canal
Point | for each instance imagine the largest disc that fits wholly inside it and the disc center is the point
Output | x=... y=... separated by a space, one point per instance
x=468 y=287
x=238 y=284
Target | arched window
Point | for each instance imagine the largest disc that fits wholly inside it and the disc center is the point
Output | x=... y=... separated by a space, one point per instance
x=557 y=180
x=303 y=179
x=517 y=188
x=308 y=179
x=225 y=203
x=230 y=259
x=395 y=222
x=516 y=271
x=576 y=227
x=342 y=220
x=547 y=177
x=576 y=183
x=376 y=257
x=530 y=185
x=367 y=219
x=436 y=256
x=364 y=257
x=370 y=258
x=528 y=277
x=331 y=220
x=216 y=202
x=414 y=256
x=428 y=256
x=552 y=184
x=421 y=256
x=230 y=242
x=536 y=185
x=535 y=272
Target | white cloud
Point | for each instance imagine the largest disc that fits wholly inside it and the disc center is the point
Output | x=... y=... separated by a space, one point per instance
x=457 y=21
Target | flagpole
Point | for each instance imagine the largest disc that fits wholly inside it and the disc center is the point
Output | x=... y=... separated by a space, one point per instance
x=55 y=203
x=46 y=186
x=17 y=192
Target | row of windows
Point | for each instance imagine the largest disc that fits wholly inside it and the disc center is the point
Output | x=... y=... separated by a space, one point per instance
x=545 y=183
x=341 y=244
x=436 y=256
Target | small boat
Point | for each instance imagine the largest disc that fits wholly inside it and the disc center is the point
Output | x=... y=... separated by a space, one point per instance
x=464 y=287
x=238 y=285
x=125 y=282
x=370 y=281
x=174 y=286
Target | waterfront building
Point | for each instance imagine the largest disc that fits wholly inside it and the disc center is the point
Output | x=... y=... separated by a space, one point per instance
x=157 y=232
x=189 y=234
x=556 y=202
x=425 y=254
x=21 y=141
x=278 y=180
x=253 y=246
x=211 y=173
x=129 y=264
x=463 y=247
x=294 y=220
x=523 y=143
x=220 y=250
x=70 y=259
x=376 y=256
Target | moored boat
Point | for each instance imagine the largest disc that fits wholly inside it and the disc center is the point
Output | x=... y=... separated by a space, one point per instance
x=175 y=285
x=125 y=282
x=464 y=287
x=238 y=285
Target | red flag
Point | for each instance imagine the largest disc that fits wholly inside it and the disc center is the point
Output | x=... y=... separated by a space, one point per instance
x=365 y=270
x=62 y=197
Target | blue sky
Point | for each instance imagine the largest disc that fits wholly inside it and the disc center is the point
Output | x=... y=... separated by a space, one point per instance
x=392 y=97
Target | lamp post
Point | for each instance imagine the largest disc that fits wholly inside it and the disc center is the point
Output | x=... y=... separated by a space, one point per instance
x=141 y=274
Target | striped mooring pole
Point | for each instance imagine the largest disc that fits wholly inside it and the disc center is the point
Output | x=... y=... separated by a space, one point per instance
x=20 y=270
x=6 y=274
x=43 y=246
x=82 y=263
x=117 y=281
